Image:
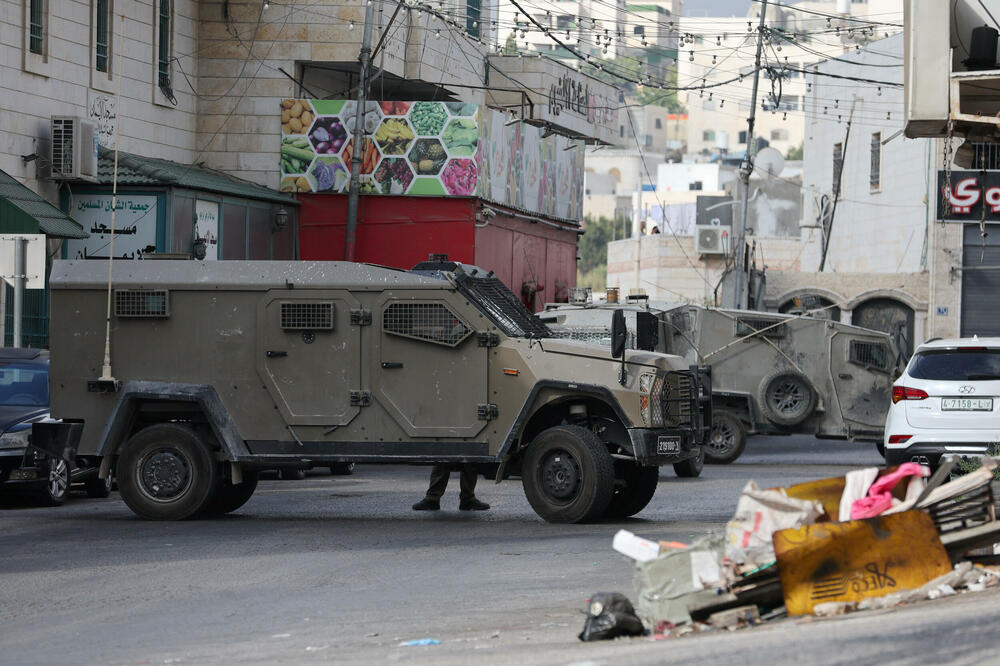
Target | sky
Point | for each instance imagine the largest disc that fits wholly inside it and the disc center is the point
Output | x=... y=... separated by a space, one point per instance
x=716 y=7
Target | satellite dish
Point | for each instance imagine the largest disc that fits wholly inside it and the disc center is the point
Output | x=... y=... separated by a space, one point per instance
x=769 y=162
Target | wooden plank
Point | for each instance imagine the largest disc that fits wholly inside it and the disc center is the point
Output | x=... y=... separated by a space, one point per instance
x=858 y=559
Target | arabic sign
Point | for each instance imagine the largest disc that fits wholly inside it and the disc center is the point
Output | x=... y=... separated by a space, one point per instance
x=135 y=226
x=103 y=110
x=207 y=213
x=969 y=191
x=431 y=148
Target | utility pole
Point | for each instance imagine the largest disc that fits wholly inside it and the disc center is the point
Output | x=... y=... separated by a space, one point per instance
x=747 y=168
x=20 y=278
x=354 y=192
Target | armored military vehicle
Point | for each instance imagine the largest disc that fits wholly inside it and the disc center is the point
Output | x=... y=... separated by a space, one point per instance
x=221 y=369
x=771 y=373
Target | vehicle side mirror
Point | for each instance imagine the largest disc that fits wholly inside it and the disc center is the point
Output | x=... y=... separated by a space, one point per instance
x=647 y=331
x=619 y=334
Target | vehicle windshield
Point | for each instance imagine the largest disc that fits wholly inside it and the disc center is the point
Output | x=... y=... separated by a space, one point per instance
x=503 y=308
x=956 y=364
x=24 y=385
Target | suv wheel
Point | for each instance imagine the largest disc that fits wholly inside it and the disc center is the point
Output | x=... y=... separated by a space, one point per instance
x=786 y=398
x=568 y=475
x=636 y=490
x=727 y=440
x=99 y=488
x=691 y=467
x=57 y=482
x=166 y=472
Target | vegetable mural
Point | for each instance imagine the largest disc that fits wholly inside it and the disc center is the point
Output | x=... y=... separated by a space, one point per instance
x=430 y=148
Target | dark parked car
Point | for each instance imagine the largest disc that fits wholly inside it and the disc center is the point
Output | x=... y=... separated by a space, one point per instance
x=24 y=399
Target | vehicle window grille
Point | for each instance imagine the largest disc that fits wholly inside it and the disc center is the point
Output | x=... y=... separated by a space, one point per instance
x=751 y=325
x=502 y=306
x=598 y=335
x=432 y=322
x=677 y=398
x=873 y=355
x=306 y=315
x=142 y=303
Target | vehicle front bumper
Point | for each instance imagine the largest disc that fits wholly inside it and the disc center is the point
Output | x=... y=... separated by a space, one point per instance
x=663 y=447
x=20 y=465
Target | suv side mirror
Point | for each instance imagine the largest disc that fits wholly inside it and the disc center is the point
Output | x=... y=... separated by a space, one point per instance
x=619 y=334
x=647 y=331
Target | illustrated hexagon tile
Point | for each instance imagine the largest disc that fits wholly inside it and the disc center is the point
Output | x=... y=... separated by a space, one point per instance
x=394 y=136
x=393 y=176
x=428 y=118
x=427 y=157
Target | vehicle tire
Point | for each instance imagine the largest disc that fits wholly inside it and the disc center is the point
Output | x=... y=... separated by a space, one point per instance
x=230 y=496
x=568 y=475
x=99 y=488
x=727 y=439
x=342 y=468
x=691 y=468
x=57 y=482
x=289 y=474
x=166 y=472
x=639 y=487
x=786 y=398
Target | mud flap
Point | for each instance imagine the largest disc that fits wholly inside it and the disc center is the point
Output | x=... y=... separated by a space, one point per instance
x=57 y=440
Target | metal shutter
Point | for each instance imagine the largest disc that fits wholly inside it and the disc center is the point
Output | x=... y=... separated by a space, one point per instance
x=980 y=281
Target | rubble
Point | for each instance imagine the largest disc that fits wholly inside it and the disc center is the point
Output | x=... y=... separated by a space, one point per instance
x=790 y=552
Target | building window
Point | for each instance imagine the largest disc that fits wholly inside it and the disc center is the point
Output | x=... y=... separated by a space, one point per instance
x=36 y=26
x=875 y=177
x=695 y=186
x=659 y=124
x=708 y=135
x=743 y=137
x=163 y=51
x=639 y=30
x=564 y=21
x=838 y=164
x=779 y=135
x=621 y=131
x=473 y=10
x=102 y=36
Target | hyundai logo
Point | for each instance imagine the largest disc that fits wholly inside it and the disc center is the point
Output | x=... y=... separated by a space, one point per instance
x=966 y=389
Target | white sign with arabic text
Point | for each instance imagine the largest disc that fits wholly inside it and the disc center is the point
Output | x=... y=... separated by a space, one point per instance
x=135 y=226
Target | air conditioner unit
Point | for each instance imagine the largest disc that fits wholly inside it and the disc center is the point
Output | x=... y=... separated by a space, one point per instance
x=712 y=239
x=72 y=149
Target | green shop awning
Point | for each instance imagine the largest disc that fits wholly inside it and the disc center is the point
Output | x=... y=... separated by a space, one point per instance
x=138 y=170
x=24 y=212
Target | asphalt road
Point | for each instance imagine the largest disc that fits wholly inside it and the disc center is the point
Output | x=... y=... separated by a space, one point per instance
x=339 y=569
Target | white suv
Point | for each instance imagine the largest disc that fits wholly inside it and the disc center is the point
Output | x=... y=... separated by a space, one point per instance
x=947 y=401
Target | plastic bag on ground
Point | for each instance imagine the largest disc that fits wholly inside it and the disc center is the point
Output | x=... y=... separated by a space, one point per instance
x=609 y=615
x=761 y=513
x=677 y=579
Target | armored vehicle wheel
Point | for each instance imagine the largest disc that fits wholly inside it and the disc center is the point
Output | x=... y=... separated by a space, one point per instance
x=165 y=472
x=728 y=438
x=568 y=475
x=691 y=467
x=786 y=398
x=99 y=488
x=288 y=474
x=230 y=496
x=57 y=482
x=637 y=491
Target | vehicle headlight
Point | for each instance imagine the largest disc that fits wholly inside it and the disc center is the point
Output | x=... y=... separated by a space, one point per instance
x=15 y=440
x=651 y=399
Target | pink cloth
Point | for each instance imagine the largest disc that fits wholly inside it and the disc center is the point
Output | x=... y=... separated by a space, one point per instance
x=879 y=496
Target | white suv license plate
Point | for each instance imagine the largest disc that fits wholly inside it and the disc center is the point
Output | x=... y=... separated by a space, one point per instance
x=967 y=404
x=666 y=444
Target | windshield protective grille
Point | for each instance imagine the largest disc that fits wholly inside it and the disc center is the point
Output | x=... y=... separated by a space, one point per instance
x=873 y=355
x=142 y=303
x=751 y=325
x=500 y=304
x=306 y=316
x=432 y=322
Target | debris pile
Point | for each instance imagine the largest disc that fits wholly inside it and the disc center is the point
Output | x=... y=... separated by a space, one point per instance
x=874 y=538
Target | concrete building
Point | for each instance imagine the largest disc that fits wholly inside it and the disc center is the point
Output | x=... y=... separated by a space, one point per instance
x=717 y=49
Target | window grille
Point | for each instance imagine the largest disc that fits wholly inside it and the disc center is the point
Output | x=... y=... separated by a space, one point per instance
x=298 y=316
x=432 y=322
x=838 y=165
x=142 y=303
x=101 y=39
x=873 y=355
x=875 y=175
x=36 y=26
x=751 y=326
x=163 y=44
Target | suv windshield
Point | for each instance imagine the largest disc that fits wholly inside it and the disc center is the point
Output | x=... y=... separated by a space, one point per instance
x=24 y=384
x=956 y=364
x=503 y=308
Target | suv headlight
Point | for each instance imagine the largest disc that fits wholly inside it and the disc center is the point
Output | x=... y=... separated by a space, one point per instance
x=15 y=440
x=651 y=399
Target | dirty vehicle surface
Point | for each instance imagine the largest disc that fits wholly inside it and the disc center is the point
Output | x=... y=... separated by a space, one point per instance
x=771 y=373
x=223 y=369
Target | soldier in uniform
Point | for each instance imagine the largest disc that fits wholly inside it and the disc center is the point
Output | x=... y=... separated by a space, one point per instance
x=439 y=481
